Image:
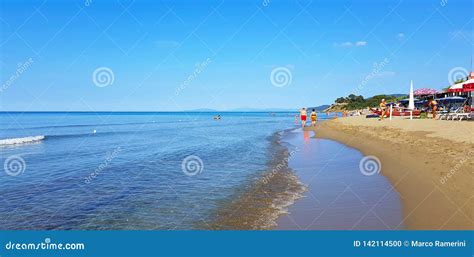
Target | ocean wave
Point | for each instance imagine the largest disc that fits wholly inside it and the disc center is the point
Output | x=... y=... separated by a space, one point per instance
x=37 y=139
x=21 y=140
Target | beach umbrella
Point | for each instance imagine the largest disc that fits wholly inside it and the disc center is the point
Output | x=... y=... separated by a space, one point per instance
x=408 y=100
x=452 y=99
x=425 y=91
x=411 y=101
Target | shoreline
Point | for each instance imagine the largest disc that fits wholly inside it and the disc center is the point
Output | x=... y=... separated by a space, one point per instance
x=258 y=204
x=425 y=162
x=339 y=196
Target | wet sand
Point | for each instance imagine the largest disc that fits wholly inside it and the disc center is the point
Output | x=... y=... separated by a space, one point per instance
x=429 y=163
x=339 y=195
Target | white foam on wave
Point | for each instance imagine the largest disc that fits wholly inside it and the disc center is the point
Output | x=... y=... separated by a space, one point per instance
x=20 y=140
x=283 y=201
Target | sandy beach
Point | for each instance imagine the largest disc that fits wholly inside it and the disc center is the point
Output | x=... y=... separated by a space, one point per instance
x=428 y=162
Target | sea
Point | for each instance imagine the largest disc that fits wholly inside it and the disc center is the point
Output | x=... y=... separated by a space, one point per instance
x=145 y=170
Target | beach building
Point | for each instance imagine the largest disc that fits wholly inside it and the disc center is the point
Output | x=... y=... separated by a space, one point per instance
x=463 y=89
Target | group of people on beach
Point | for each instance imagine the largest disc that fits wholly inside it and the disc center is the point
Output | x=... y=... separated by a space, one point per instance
x=304 y=115
x=433 y=104
x=384 y=112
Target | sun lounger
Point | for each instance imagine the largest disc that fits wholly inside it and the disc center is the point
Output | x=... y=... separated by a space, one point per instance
x=461 y=116
x=441 y=115
x=451 y=115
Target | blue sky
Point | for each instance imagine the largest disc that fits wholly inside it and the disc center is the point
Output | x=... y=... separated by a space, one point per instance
x=180 y=55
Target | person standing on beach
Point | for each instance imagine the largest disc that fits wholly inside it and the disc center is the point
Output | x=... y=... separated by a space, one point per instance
x=383 y=109
x=303 y=116
x=434 y=107
x=314 y=118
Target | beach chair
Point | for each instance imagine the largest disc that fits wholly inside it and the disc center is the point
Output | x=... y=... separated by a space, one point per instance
x=445 y=114
x=465 y=115
x=441 y=114
x=453 y=114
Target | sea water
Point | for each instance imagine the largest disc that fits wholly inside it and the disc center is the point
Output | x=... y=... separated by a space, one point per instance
x=142 y=170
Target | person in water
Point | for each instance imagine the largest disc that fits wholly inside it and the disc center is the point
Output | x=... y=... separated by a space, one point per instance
x=434 y=107
x=383 y=109
x=303 y=115
x=314 y=118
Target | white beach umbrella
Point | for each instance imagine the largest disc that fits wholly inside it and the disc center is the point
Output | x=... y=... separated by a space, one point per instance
x=411 y=101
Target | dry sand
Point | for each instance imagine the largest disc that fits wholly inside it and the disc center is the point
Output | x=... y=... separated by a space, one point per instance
x=429 y=162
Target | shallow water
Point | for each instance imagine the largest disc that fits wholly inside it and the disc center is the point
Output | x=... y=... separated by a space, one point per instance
x=125 y=171
x=339 y=195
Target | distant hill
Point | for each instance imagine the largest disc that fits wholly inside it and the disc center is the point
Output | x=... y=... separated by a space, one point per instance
x=320 y=108
x=397 y=95
x=356 y=102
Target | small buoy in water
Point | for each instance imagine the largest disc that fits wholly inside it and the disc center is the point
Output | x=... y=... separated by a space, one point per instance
x=95 y=131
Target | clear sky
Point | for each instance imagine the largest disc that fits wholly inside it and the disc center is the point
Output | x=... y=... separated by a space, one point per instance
x=106 y=55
